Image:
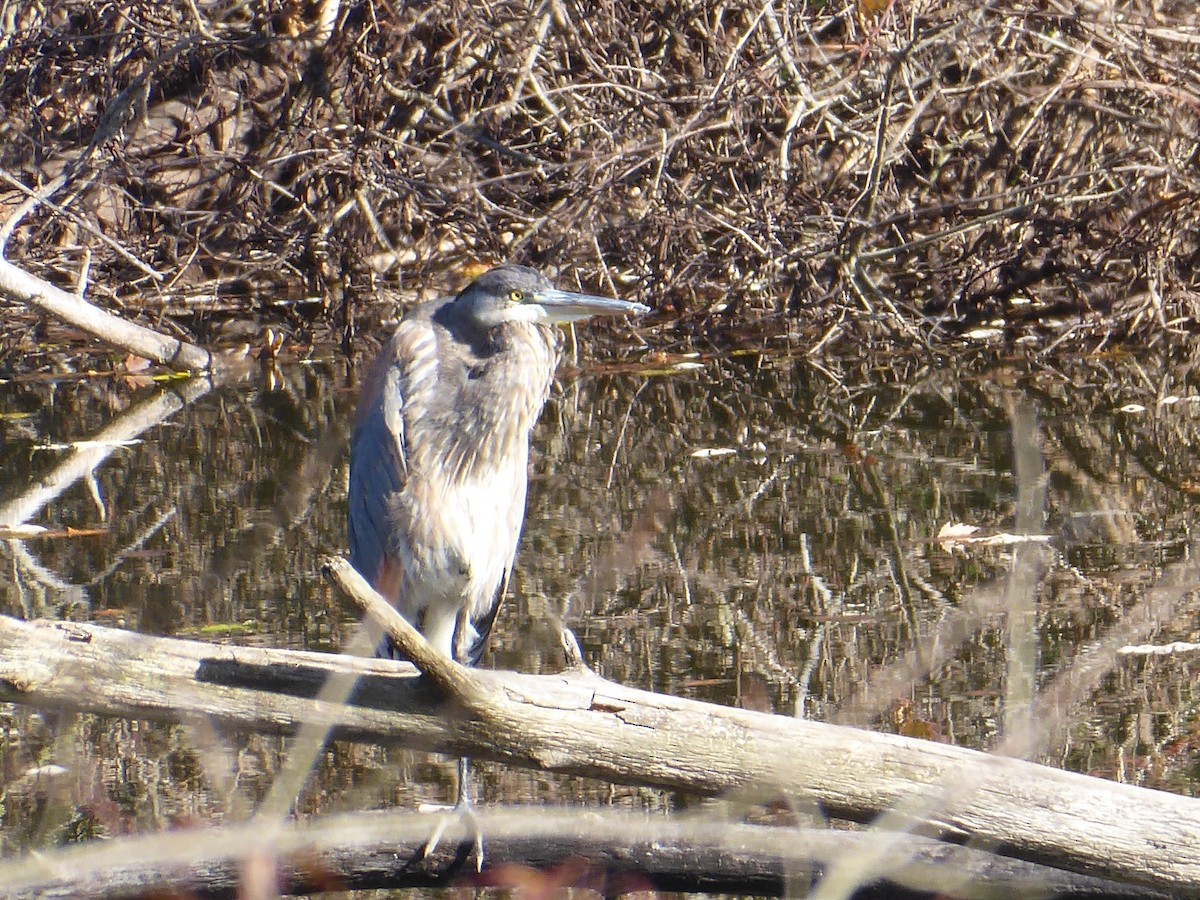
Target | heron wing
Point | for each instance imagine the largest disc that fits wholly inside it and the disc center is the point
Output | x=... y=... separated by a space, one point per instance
x=379 y=449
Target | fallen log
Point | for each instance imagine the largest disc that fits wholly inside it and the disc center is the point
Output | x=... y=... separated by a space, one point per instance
x=581 y=724
x=609 y=852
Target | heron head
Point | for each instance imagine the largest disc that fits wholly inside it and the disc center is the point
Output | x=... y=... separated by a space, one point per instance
x=521 y=294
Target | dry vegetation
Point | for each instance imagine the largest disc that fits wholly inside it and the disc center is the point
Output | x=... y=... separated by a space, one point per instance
x=906 y=170
x=849 y=176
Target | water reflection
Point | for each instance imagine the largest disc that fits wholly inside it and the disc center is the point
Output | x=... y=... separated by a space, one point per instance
x=753 y=532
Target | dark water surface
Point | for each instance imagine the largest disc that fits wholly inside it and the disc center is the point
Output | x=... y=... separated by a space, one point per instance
x=746 y=530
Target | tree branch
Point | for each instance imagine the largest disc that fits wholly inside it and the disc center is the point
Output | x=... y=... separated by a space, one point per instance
x=113 y=330
x=581 y=724
x=450 y=676
x=76 y=311
x=613 y=852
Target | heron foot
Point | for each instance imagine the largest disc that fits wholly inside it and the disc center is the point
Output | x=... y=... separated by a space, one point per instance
x=463 y=811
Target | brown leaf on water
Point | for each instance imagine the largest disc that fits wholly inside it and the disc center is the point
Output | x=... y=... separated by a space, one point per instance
x=137 y=369
x=135 y=365
x=905 y=721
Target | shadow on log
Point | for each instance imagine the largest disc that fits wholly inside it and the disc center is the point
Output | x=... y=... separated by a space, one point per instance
x=581 y=724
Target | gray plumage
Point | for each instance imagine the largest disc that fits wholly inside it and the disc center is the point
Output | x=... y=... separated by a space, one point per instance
x=440 y=455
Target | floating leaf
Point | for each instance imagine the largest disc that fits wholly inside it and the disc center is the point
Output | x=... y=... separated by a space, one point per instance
x=956 y=531
x=135 y=365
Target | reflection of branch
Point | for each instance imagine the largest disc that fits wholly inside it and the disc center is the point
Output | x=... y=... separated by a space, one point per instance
x=82 y=462
x=827 y=605
x=33 y=583
x=138 y=542
x=544 y=851
x=980 y=607
x=579 y=723
x=1172 y=598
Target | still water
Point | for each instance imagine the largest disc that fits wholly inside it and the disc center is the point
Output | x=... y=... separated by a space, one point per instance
x=750 y=529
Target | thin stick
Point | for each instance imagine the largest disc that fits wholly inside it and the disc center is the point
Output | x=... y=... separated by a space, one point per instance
x=455 y=679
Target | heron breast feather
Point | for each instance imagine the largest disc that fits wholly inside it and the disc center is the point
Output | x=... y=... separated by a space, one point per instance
x=461 y=534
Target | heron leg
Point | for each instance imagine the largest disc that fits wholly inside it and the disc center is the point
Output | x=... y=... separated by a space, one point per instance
x=464 y=798
x=464 y=809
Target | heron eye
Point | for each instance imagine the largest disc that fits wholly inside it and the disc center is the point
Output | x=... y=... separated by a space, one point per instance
x=517 y=296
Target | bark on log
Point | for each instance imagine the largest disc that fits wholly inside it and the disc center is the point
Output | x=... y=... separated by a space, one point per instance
x=609 y=852
x=581 y=724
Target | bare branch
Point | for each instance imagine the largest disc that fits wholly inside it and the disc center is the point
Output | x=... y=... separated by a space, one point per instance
x=620 y=850
x=447 y=674
x=581 y=724
x=105 y=326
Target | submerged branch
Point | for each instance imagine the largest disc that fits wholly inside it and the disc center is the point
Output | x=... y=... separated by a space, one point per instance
x=611 y=851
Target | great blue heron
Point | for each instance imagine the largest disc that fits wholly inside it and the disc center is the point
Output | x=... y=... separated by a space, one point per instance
x=440 y=454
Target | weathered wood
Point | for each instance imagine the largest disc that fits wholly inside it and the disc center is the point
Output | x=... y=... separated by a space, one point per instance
x=17 y=283
x=454 y=679
x=579 y=723
x=609 y=851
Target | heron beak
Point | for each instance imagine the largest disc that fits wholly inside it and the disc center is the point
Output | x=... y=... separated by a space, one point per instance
x=564 y=307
